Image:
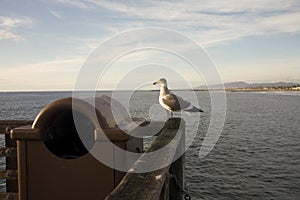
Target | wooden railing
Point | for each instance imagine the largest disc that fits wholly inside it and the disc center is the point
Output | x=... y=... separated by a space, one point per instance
x=158 y=184
x=164 y=183
x=9 y=151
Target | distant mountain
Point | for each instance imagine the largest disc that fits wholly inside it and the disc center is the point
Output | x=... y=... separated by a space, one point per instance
x=277 y=84
x=242 y=84
x=236 y=85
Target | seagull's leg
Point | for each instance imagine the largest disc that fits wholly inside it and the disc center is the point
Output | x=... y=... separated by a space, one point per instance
x=171 y=113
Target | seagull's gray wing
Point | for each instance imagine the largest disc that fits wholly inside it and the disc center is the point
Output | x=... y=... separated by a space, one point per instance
x=175 y=102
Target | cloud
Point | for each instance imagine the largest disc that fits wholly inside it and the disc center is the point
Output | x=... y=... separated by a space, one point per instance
x=257 y=70
x=59 y=74
x=5 y=34
x=208 y=21
x=9 y=26
x=56 y=66
x=77 y=3
x=55 y=14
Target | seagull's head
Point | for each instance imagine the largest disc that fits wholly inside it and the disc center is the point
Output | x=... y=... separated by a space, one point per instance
x=161 y=81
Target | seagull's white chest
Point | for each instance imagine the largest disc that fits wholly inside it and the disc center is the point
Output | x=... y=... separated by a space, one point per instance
x=163 y=104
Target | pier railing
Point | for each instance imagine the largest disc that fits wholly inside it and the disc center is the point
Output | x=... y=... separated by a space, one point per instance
x=164 y=183
x=9 y=151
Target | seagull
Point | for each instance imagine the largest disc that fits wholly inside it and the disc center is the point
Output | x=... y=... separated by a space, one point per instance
x=171 y=102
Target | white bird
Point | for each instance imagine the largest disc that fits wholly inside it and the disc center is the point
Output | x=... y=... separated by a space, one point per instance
x=171 y=102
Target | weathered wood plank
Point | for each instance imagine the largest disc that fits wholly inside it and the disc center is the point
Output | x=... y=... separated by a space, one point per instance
x=8 y=174
x=153 y=128
x=8 y=151
x=150 y=185
x=8 y=196
x=178 y=170
x=12 y=124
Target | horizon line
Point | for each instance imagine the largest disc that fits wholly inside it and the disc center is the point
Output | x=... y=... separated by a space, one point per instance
x=110 y=90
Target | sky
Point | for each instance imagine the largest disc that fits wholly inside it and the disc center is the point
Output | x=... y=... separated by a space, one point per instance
x=45 y=43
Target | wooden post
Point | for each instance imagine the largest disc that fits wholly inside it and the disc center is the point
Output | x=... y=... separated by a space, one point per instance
x=9 y=151
x=11 y=162
x=177 y=166
x=164 y=195
x=175 y=190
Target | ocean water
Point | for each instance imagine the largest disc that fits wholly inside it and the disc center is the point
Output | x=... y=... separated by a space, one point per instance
x=256 y=157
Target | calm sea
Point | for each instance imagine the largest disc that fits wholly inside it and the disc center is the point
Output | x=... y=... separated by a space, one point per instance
x=256 y=157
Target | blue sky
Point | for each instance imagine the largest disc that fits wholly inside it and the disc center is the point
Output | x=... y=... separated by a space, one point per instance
x=43 y=44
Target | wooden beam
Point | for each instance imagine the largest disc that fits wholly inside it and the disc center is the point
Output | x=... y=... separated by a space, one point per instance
x=9 y=174
x=8 y=152
x=149 y=185
x=9 y=195
x=12 y=124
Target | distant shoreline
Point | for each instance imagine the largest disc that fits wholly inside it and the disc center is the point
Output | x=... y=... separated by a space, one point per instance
x=261 y=90
x=253 y=87
x=250 y=90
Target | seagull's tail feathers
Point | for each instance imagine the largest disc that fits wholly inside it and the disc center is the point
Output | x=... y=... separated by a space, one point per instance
x=193 y=109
